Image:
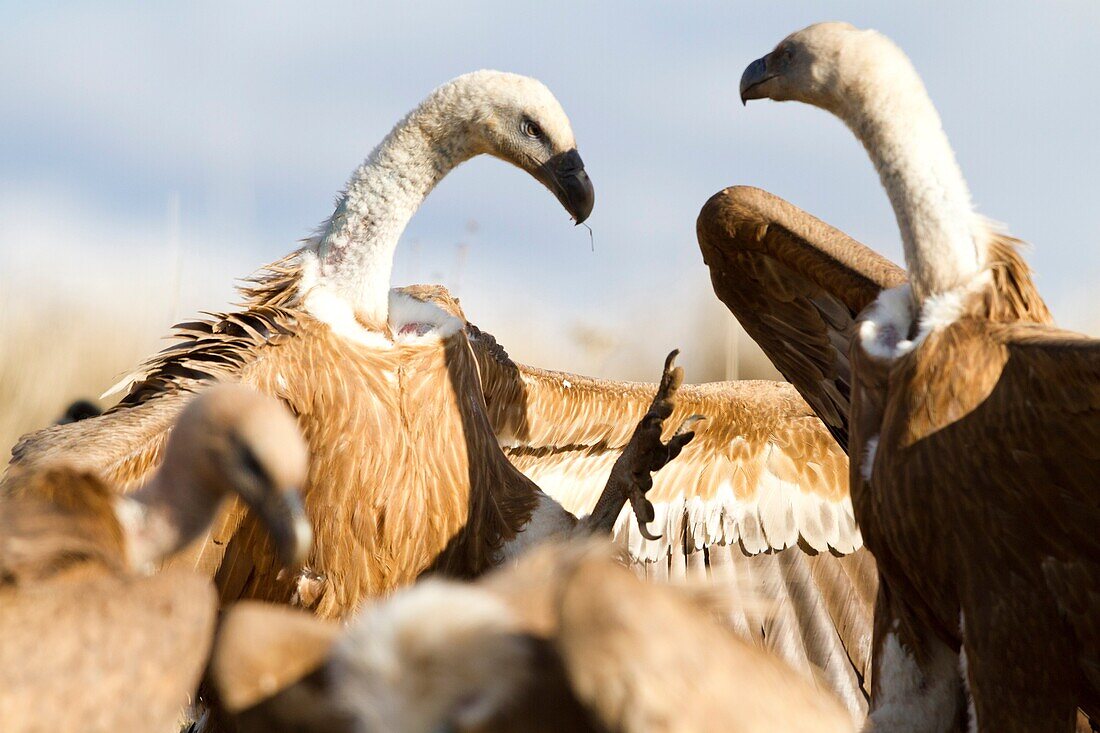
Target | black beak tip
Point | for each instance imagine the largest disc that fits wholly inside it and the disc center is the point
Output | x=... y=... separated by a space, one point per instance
x=564 y=174
x=755 y=73
x=289 y=527
x=295 y=545
x=584 y=201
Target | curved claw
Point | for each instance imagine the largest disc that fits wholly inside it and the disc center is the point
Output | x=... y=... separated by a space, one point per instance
x=643 y=513
x=669 y=361
x=675 y=445
x=646 y=453
x=642 y=529
x=671 y=378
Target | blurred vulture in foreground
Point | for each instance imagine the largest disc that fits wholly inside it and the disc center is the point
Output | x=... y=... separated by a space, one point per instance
x=89 y=642
x=406 y=408
x=567 y=639
x=974 y=427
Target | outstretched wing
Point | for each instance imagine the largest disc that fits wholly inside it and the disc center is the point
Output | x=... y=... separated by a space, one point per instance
x=123 y=446
x=796 y=284
x=757 y=501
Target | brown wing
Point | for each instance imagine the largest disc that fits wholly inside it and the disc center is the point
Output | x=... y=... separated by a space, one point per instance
x=796 y=284
x=762 y=474
x=124 y=443
x=1033 y=405
x=123 y=446
x=1036 y=388
x=1014 y=449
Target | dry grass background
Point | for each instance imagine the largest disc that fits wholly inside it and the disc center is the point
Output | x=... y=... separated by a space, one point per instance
x=52 y=353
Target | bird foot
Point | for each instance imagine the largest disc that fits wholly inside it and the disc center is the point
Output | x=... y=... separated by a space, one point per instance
x=645 y=453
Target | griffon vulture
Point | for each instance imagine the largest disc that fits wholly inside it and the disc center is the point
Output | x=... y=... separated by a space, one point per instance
x=405 y=407
x=383 y=384
x=974 y=427
x=90 y=643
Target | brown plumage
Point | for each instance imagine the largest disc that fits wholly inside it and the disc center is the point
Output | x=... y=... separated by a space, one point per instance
x=975 y=423
x=106 y=653
x=774 y=266
x=90 y=644
x=407 y=475
x=796 y=285
x=405 y=423
x=568 y=639
x=387 y=399
x=762 y=474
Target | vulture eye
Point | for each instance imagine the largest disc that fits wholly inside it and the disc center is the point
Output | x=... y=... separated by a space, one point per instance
x=249 y=462
x=531 y=130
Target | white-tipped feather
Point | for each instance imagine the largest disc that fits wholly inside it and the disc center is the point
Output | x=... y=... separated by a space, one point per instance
x=780 y=518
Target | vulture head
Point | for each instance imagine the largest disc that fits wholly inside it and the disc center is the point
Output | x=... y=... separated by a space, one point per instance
x=826 y=65
x=234 y=440
x=438 y=656
x=517 y=119
x=565 y=639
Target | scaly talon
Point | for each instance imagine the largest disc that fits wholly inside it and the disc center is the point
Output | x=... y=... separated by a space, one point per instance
x=649 y=453
x=644 y=512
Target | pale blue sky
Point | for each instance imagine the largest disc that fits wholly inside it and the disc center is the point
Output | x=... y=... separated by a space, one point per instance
x=251 y=115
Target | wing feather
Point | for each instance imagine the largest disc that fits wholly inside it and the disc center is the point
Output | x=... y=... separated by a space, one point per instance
x=762 y=471
x=123 y=446
x=757 y=502
x=796 y=285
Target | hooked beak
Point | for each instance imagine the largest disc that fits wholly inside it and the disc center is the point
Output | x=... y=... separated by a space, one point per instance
x=564 y=174
x=286 y=522
x=755 y=74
